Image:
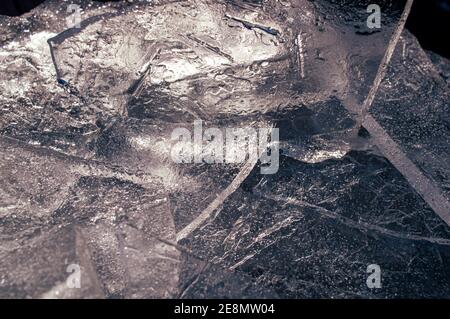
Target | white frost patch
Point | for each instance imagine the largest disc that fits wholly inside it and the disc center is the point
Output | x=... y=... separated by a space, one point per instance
x=20 y=56
x=323 y=155
x=159 y=146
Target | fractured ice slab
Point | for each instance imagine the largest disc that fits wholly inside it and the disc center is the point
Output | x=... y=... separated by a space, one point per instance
x=86 y=120
x=311 y=230
x=122 y=225
x=413 y=107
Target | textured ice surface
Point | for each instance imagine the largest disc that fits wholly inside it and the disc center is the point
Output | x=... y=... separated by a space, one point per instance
x=413 y=105
x=312 y=229
x=86 y=117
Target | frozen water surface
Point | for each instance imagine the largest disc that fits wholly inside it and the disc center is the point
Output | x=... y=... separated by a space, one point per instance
x=86 y=116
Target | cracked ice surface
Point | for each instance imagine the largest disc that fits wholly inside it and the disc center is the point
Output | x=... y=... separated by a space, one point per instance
x=87 y=177
x=423 y=128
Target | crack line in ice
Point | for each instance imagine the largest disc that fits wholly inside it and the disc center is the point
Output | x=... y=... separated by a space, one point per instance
x=251 y=25
x=237 y=181
x=301 y=55
x=391 y=150
x=362 y=226
x=88 y=167
x=422 y=184
x=220 y=199
x=386 y=59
